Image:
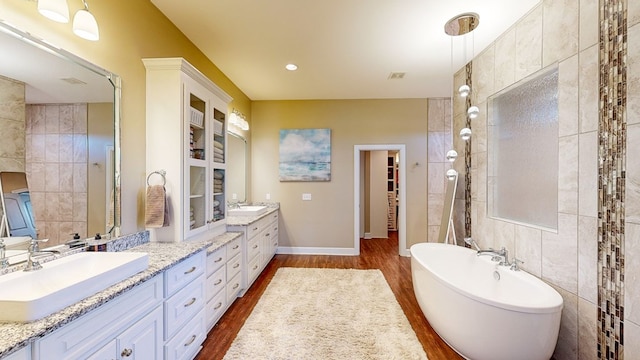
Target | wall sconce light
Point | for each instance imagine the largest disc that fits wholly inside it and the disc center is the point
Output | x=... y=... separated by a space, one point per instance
x=56 y=10
x=473 y=112
x=451 y=174
x=452 y=155
x=84 y=23
x=237 y=119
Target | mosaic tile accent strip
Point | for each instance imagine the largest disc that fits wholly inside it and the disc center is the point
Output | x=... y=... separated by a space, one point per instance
x=467 y=160
x=612 y=144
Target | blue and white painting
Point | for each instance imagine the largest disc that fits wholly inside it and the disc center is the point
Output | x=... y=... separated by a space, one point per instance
x=305 y=155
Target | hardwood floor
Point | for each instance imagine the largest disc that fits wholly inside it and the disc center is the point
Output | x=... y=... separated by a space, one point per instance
x=374 y=254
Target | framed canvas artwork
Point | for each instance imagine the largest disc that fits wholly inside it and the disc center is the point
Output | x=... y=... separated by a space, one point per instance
x=305 y=155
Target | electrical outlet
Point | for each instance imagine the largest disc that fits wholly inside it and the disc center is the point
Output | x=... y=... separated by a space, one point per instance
x=268 y=196
x=306 y=197
x=234 y=196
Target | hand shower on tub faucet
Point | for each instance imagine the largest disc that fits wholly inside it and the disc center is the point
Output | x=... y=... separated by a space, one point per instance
x=472 y=242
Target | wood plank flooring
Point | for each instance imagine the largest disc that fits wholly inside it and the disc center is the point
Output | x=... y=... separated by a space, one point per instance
x=374 y=254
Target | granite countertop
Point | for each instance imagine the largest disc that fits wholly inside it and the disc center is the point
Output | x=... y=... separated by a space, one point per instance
x=246 y=220
x=162 y=256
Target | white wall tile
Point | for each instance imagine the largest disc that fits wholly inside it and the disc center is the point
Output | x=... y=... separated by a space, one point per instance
x=587 y=330
x=560 y=30
x=560 y=254
x=588 y=258
x=529 y=44
x=632 y=273
x=588 y=173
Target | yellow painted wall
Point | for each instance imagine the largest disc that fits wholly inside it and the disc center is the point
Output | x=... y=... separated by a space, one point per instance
x=129 y=31
x=327 y=221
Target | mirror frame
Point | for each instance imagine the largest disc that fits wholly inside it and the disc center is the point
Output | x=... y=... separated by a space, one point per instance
x=246 y=163
x=115 y=81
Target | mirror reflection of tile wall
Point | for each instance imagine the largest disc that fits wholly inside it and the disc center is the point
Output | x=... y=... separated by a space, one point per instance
x=12 y=153
x=56 y=166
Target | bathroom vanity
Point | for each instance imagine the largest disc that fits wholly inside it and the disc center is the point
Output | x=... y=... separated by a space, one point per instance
x=161 y=312
x=260 y=234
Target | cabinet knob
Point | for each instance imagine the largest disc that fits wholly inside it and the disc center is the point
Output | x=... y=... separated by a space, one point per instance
x=126 y=352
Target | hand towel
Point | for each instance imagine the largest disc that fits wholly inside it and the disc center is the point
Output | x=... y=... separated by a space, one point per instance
x=156 y=212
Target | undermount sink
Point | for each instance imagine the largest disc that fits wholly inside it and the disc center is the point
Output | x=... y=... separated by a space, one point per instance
x=248 y=210
x=29 y=296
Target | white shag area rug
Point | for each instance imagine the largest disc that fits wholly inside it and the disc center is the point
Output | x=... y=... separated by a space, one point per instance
x=327 y=314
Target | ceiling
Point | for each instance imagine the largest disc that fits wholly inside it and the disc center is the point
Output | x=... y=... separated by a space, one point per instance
x=344 y=49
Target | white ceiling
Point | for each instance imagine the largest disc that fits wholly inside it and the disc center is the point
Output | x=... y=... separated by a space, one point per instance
x=345 y=49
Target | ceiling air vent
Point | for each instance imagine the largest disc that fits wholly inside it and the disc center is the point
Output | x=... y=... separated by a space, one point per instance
x=396 y=75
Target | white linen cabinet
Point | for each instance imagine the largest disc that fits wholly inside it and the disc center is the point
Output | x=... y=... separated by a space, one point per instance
x=186 y=137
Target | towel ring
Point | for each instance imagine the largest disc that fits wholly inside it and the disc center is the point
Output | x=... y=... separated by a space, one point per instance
x=159 y=172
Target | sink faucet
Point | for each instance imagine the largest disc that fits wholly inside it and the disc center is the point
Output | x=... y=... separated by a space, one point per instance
x=233 y=205
x=33 y=250
x=501 y=255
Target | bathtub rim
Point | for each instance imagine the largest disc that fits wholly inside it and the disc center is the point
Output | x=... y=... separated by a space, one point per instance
x=549 y=309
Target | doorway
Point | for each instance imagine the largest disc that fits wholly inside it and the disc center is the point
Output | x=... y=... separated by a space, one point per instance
x=401 y=193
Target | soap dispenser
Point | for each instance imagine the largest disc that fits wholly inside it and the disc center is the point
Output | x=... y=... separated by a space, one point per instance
x=97 y=244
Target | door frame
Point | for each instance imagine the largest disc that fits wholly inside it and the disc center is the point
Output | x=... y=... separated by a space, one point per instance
x=402 y=193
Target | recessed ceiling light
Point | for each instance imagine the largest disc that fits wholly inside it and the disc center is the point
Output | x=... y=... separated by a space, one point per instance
x=291 y=67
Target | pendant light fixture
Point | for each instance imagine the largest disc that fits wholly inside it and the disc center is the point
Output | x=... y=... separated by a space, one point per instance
x=56 y=10
x=85 y=24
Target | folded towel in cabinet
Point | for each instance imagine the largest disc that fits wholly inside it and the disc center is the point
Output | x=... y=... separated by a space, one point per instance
x=156 y=212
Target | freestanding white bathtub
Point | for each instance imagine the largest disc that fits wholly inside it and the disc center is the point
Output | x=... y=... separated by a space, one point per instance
x=482 y=310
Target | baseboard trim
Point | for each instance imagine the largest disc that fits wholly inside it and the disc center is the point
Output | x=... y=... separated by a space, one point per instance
x=288 y=250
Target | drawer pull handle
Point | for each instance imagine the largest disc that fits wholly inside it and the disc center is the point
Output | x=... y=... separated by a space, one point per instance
x=255 y=228
x=193 y=338
x=235 y=286
x=126 y=352
x=218 y=306
x=255 y=246
x=193 y=268
x=217 y=282
x=255 y=267
x=267 y=234
x=235 y=266
x=193 y=300
x=218 y=260
x=235 y=247
x=275 y=243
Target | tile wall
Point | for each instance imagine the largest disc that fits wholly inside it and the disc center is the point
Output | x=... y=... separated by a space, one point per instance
x=565 y=32
x=12 y=115
x=56 y=158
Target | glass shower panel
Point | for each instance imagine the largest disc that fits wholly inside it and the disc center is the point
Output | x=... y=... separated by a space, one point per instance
x=523 y=152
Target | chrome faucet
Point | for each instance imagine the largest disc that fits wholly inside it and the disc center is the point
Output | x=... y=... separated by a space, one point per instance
x=501 y=255
x=233 y=205
x=32 y=251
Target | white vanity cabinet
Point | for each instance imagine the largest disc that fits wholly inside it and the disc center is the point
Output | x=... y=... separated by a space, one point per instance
x=261 y=239
x=224 y=279
x=129 y=326
x=184 y=325
x=22 y=354
x=186 y=137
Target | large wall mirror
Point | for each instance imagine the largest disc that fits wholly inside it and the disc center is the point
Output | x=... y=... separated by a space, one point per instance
x=59 y=122
x=237 y=168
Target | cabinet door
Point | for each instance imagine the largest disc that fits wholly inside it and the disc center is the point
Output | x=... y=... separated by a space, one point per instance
x=144 y=339
x=197 y=135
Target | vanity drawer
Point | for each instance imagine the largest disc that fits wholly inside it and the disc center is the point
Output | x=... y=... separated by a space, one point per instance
x=233 y=288
x=188 y=341
x=215 y=308
x=234 y=266
x=216 y=282
x=184 y=272
x=234 y=247
x=253 y=248
x=253 y=229
x=179 y=308
x=216 y=259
